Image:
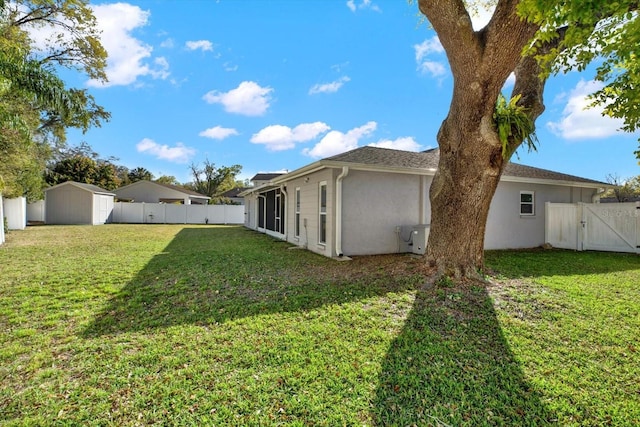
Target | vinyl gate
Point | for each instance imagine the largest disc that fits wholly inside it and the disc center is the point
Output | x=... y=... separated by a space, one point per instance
x=613 y=227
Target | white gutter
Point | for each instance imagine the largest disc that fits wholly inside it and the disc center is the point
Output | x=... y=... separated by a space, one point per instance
x=345 y=172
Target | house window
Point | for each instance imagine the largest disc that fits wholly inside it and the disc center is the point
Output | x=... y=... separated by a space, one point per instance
x=527 y=203
x=322 y=220
x=297 y=224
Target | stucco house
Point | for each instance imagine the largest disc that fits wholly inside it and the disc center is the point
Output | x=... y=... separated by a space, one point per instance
x=375 y=201
x=77 y=203
x=153 y=192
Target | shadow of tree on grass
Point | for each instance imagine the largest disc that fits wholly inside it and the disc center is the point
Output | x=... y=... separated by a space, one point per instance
x=207 y=276
x=451 y=365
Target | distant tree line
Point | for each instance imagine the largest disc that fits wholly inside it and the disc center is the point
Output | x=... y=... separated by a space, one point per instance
x=82 y=164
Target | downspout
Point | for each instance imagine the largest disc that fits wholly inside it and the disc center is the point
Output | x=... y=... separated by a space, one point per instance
x=596 y=197
x=283 y=190
x=264 y=213
x=345 y=172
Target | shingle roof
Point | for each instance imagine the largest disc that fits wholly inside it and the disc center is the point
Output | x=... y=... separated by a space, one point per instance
x=376 y=156
x=182 y=189
x=265 y=176
x=234 y=192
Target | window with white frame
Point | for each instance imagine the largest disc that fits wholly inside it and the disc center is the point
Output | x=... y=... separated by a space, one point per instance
x=322 y=213
x=296 y=231
x=527 y=203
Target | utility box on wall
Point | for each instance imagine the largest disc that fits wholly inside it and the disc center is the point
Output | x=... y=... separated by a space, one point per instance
x=413 y=238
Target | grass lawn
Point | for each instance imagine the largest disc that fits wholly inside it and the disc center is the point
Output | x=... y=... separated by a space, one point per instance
x=211 y=325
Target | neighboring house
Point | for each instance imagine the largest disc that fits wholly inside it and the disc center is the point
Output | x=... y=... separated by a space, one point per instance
x=76 y=203
x=375 y=201
x=154 y=192
x=264 y=178
x=233 y=195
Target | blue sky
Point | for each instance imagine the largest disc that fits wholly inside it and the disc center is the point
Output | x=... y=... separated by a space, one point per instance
x=275 y=85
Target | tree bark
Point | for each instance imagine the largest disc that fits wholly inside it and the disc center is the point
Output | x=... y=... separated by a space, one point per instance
x=471 y=158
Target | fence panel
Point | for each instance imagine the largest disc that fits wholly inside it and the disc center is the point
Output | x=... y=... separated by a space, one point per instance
x=35 y=211
x=611 y=227
x=176 y=214
x=161 y=213
x=562 y=225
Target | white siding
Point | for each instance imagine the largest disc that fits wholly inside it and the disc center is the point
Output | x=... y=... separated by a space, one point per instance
x=68 y=204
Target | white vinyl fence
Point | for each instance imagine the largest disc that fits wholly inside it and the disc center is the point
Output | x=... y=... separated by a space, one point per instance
x=163 y=213
x=35 y=211
x=613 y=227
x=1 y=219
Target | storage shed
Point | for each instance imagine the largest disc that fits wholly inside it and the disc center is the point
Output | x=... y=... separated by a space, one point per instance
x=77 y=203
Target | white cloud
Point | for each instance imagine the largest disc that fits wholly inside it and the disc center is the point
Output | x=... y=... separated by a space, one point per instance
x=580 y=122
x=248 y=99
x=177 y=154
x=280 y=138
x=336 y=142
x=127 y=54
x=425 y=65
x=481 y=16
x=218 y=132
x=228 y=66
x=162 y=70
x=167 y=43
x=406 y=143
x=329 y=87
x=364 y=4
x=204 y=45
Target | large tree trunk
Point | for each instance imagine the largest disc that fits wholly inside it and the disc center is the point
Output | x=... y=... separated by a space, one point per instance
x=471 y=155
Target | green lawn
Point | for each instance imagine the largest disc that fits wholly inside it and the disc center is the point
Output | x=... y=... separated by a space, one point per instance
x=205 y=325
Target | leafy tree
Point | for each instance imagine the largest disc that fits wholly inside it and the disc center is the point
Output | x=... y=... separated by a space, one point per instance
x=35 y=105
x=212 y=181
x=532 y=39
x=167 y=179
x=139 y=174
x=626 y=190
x=85 y=170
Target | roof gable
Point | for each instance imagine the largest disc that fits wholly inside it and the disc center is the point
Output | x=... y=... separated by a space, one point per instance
x=168 y=186
x=87 y=187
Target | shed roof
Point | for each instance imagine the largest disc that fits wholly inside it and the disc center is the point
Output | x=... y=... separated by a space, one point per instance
x=87 y=187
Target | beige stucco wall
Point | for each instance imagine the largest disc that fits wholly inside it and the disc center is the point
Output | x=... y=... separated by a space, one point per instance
x=374 y=204
x=507 y=229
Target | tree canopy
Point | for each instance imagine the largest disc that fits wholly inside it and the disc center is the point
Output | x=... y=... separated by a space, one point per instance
x=212 y=181
x=36 y=107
